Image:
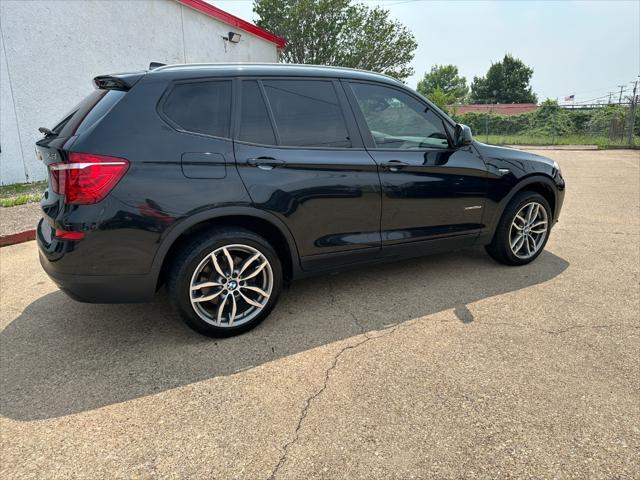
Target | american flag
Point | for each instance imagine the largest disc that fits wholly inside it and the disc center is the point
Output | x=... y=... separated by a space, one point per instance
x=569 y=98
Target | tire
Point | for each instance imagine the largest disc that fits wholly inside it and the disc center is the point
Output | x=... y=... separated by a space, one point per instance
x=500 y=248
x=227 y=309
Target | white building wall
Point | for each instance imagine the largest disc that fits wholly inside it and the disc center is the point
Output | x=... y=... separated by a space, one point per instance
x=10 y=146
x=52 y=49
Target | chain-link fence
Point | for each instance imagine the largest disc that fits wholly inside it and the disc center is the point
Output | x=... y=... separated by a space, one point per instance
x=551 y=124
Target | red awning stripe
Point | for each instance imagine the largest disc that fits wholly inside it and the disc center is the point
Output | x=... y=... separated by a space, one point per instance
x=215 y=12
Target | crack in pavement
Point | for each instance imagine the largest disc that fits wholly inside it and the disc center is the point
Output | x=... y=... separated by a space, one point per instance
x=332 y=296
x=333 y=302
x=558 y=332
x=385 y=333
x=357 y=322
x=309 y=400
x=578 y=327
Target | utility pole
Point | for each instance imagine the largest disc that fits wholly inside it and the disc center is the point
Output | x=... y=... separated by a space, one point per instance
x=632 y=113
x=620 y=97
x=610 y=93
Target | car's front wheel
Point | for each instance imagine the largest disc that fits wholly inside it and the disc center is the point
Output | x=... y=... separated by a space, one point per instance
x=523 y=230
x=224 y=282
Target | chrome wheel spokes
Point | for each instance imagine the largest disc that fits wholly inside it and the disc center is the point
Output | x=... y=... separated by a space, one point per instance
x=231 y=285
x=529 y=230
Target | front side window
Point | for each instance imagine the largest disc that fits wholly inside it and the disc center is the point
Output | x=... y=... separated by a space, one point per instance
x=398 y=120
x=307 y=113
x=201 y=107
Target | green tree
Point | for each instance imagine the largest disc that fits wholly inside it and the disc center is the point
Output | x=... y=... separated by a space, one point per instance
x=440 y=98
x=339 y=33
x=505 y=82
x=443 y=85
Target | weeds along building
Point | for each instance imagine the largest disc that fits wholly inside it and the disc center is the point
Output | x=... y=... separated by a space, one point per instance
x=50 y=51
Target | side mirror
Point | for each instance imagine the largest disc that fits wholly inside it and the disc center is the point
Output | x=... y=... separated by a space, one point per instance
x=462 y=135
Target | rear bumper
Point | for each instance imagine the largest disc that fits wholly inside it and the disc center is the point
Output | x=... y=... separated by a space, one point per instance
x=101 y=288
x=91 y=288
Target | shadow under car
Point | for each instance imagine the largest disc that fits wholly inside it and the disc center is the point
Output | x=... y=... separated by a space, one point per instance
x=59 y=357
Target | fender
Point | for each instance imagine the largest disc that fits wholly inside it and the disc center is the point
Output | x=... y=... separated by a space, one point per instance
x=518 y=187
x=182 y=226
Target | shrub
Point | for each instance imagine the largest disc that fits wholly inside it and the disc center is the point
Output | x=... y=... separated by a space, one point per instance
x=551 y=120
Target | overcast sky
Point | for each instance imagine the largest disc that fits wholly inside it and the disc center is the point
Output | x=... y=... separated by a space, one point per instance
x=586 y=48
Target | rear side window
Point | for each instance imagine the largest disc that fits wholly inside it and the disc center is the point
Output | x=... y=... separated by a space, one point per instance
x=307 y=113
x=87 y=112
x=255 y=126
x=201 y=107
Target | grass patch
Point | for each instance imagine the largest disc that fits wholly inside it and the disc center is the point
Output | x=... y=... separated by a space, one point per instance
x=524 y=139
x=20 y=200
x=21 y=193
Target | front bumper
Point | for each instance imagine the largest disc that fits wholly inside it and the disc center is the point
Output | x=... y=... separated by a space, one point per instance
x=560 y=190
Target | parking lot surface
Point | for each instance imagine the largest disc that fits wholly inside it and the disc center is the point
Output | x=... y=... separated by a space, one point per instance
x=442 y=367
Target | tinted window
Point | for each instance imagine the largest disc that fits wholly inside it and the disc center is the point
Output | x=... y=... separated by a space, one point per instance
x=307 y=113
x=100 y=109
x=255 y=125
x=203 y=107
x=93 y=107
x=398 y=120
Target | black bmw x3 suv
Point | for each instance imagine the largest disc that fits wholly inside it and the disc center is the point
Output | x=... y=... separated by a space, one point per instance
x=224 y=182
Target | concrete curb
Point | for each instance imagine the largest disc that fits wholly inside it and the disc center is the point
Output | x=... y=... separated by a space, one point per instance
x=555 y=147
x=20 y=237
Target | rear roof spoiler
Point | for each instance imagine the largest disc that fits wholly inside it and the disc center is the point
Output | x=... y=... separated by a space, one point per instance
x=118 y=81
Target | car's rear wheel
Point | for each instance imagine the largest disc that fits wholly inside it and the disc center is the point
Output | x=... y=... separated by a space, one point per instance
x=523 y=230
x=225 y=282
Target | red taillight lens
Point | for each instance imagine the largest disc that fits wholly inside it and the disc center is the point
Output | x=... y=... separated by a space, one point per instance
x=87 y=178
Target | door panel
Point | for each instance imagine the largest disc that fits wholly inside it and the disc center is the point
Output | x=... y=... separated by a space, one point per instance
x=430 y=190
x=436 y=193
x=330 y=199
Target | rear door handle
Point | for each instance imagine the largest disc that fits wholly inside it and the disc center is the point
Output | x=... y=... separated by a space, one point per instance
x=265 y=163
x=394 y=165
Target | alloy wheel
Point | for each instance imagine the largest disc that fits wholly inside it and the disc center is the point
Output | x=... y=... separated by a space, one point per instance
x=528 y=230
x=231 y=285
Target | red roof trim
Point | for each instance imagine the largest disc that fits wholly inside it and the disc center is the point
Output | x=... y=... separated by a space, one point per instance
x=215 y=12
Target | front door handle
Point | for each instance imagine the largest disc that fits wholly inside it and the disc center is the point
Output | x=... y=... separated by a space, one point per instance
x=265 y=163
x=394 y=165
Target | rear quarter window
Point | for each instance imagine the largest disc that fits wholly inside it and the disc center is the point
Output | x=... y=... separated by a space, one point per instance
x=200 y=107
x=84 y=115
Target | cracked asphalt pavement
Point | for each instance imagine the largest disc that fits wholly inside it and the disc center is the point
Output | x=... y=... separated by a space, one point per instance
x=441 y=367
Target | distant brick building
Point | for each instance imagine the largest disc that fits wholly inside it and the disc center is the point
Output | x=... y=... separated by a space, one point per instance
x=497 y=108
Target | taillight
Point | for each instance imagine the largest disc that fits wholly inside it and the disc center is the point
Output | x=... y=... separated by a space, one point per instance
x=87 y=178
